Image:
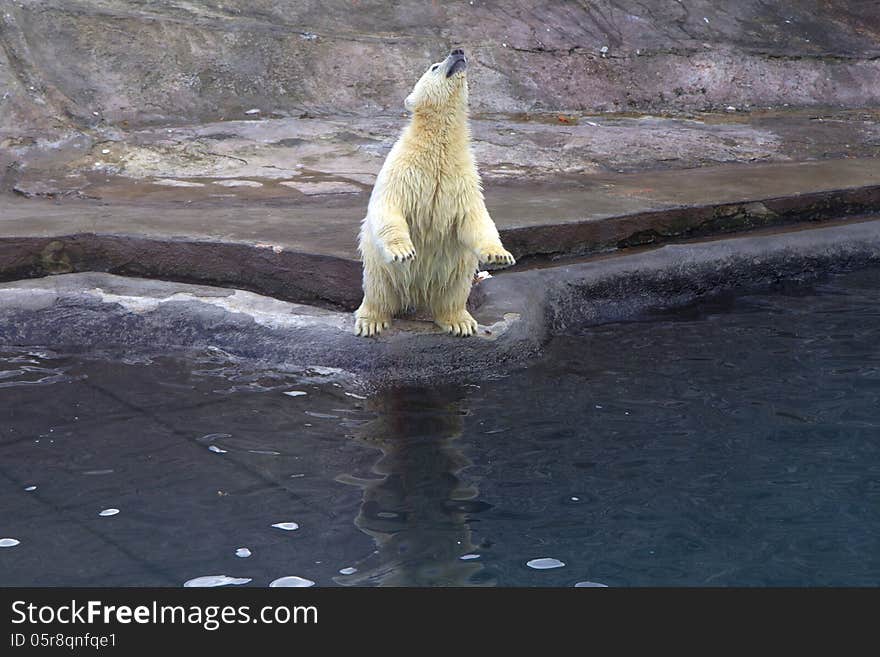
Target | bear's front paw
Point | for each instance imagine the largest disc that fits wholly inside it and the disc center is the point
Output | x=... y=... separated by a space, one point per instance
x=399 y=251
x=460 y=325
x=369 y=327
x=496 y=255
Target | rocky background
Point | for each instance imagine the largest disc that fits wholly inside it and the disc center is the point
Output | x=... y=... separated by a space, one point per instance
x=81 y=77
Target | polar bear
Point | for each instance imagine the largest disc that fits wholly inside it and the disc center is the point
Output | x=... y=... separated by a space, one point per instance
x=427 y=226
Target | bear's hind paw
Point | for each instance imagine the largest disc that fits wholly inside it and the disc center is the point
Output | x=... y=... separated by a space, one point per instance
x=462 y=326
x=370 y=327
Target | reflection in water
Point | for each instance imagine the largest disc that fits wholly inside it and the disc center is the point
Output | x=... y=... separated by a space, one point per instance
x=417 y=512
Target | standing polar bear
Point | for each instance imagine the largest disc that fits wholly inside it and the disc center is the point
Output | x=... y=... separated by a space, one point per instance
x=427 y=226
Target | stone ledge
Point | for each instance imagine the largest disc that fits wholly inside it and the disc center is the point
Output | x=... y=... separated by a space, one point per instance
x=517 y=312
x=306 y=253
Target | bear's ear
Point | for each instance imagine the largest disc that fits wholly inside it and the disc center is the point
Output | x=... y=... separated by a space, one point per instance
x=410 y=103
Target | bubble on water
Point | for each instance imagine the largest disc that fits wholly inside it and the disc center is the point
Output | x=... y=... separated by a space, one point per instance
x=544 y=563
x=593 y=585
x=215 y=580
x=9 y=542
x=244 y=553
x=295 y=393
x=348 y=571
x=30 y=488
x=217 y=450
x=291 y=581
x=109 y=512
x=575 y=499
x=286 y=526
x=468 y=557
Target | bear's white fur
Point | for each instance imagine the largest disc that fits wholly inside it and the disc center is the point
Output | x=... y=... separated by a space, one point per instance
x=427 y=226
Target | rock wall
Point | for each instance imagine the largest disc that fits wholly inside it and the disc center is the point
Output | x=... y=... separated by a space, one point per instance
x=87 y=63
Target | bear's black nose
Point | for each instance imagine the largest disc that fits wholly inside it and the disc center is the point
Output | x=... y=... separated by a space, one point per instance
x=458 y=51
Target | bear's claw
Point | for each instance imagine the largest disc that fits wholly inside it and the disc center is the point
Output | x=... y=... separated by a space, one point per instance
x=462 y=326
x=369 y=327
x=400 y=252
x=496 y=256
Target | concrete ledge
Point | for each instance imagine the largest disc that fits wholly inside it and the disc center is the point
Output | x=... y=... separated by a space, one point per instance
x=656 y=227
x=517 y=312
x=304 y=252
x=322 y=280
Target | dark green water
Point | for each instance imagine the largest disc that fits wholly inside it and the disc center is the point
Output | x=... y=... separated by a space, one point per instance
x=733 y=443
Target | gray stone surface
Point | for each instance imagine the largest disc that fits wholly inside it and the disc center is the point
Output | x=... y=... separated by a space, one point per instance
x=122 y=60
x=243 y=88
x=517 y=312
x=305 y=160
x=304 y=251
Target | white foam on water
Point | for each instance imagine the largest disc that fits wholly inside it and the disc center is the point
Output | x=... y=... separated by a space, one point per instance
x=348 y=571
x=215 y=580
x=468 y=557
x=351 y=394
x=295 y=393
x=544 y=563
x=286 y=526
x=217 y=450
x=590 y=585
x=30 y=488
x=267 y=452
x=9 y=542
x=291 y=581
x=244 y=553
x=211 y=437
x=108 y=512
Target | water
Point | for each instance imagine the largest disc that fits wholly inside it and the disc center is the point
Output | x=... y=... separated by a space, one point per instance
x=736 y=442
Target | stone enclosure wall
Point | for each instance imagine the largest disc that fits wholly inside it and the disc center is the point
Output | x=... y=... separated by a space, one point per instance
x=71 y=64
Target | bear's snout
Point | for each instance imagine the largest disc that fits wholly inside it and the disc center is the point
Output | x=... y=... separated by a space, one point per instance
x=455 y=62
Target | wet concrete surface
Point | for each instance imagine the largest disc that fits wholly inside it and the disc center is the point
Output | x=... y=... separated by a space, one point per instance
x=317 y=157
x=303 y=250
x=517 y=312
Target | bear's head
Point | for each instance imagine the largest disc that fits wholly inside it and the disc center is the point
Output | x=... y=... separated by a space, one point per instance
x=443 y=87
